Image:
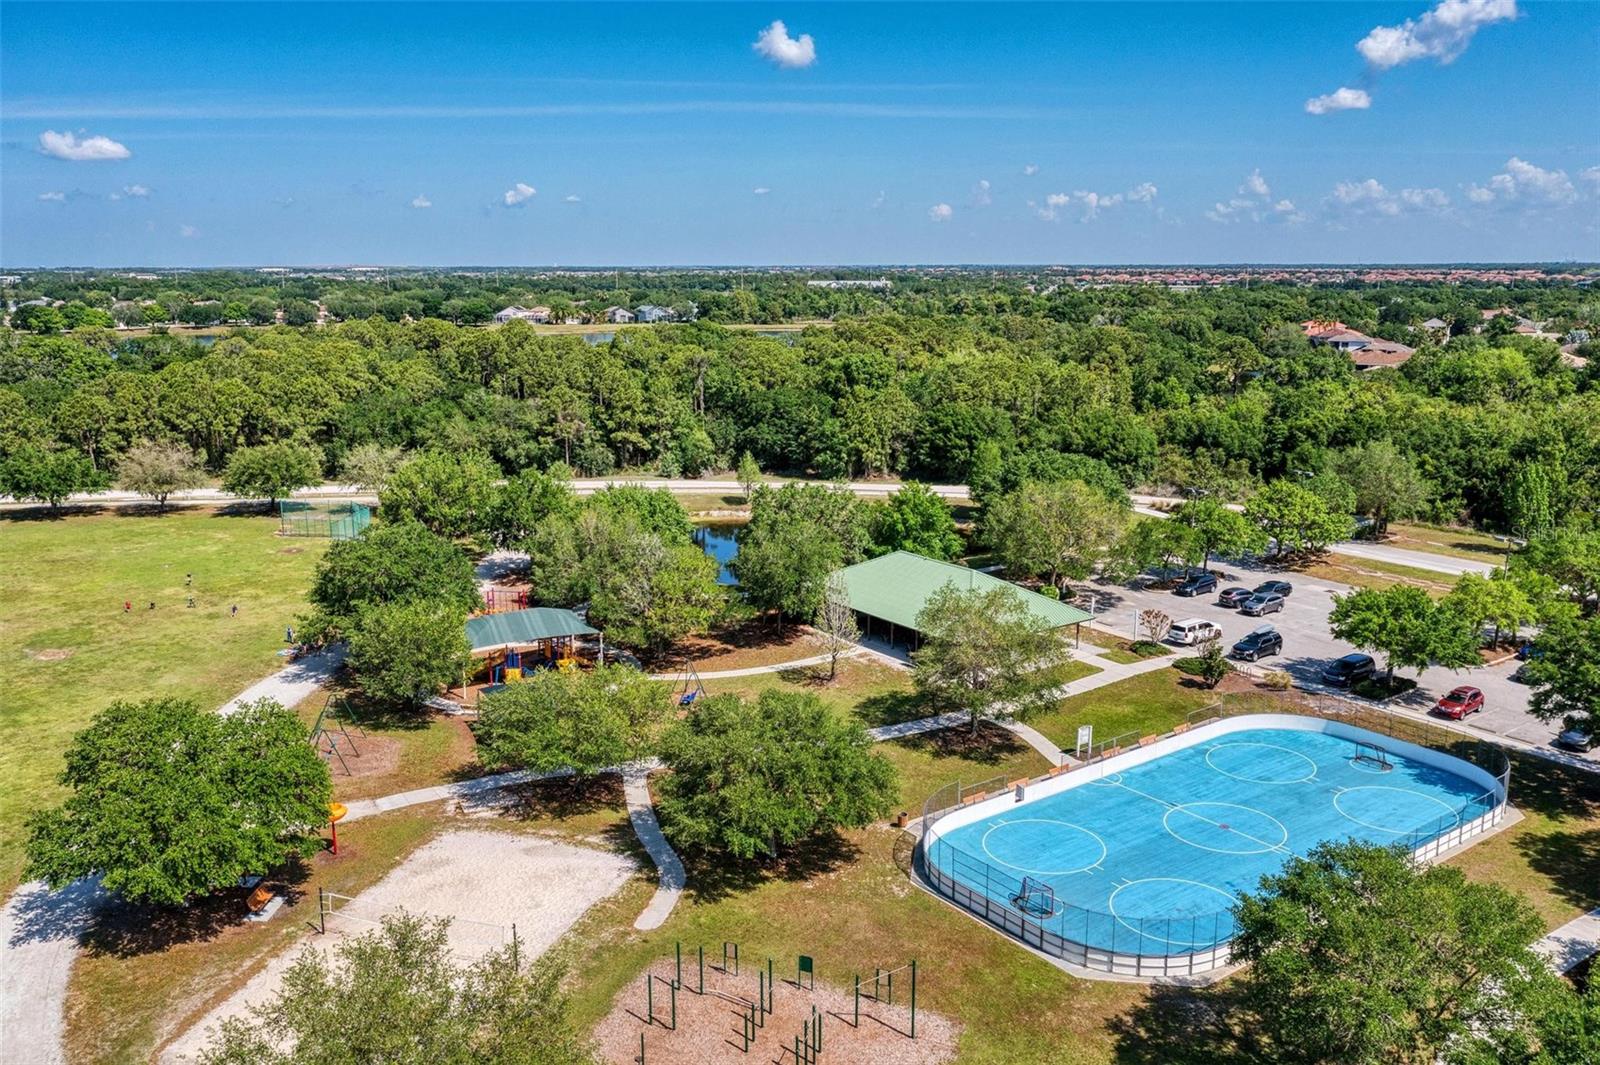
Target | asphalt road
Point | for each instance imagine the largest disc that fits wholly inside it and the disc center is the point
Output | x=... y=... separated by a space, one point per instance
x=1308 y=646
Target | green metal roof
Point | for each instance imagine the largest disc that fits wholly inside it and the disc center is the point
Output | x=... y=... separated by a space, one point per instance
x=524 y=626
x=895 y=587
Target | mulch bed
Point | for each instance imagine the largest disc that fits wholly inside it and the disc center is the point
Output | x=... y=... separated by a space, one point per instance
x=710 y=1025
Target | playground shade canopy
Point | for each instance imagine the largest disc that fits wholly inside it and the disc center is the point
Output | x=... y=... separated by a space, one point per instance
x=522 y=627
x=895 y=587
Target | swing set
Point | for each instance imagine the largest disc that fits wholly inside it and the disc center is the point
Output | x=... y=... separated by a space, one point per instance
x=689 y=686
x=329 y=736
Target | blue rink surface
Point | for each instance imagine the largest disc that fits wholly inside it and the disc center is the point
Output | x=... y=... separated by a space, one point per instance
x=1150 y=860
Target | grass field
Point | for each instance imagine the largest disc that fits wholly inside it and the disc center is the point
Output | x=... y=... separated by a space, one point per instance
x=1445 y=540
x=69 y=649
x=1372 y=573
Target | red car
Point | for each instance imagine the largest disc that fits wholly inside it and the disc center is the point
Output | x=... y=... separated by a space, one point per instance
x=1459 y=703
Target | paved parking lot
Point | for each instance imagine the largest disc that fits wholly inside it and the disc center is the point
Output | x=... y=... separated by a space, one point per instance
x=1308 y=646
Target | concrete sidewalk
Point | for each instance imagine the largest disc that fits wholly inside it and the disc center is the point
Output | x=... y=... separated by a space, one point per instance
x=1573 y=943
x=294 y=683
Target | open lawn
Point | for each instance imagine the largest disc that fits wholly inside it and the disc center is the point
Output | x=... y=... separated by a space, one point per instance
x=1372 y=573
x=877 y=693
x=67 y=648
x=1446 y=540
x=1150 y=702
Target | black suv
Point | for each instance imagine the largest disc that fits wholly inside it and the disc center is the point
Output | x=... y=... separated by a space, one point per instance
x=1197 y=584
x=1258 y=643
x=1282 y=588
x=1349 y=671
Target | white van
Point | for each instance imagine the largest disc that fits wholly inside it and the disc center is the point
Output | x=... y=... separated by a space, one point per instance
x=1193 y=631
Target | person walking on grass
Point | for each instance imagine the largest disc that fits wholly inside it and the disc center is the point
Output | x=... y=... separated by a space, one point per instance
x=233 y=611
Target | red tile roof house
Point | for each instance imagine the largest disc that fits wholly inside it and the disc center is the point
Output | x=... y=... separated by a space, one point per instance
x=1367 y=353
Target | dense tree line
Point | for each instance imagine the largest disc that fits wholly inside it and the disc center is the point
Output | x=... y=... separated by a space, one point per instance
x=1214 y=391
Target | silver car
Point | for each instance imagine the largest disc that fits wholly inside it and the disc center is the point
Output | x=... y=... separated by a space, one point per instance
x=1257 y=605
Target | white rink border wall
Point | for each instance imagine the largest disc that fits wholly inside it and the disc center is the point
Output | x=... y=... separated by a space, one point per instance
x=983 y=804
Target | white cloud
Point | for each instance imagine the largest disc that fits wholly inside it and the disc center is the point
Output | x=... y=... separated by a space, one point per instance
x=519 y=194
x=1442 y=33
x=1371 y=196
x=1253 y=202
x=880 y=199
x=89 y=149
x=981 y=196
x=53 y=197
x=188 y=231
x=1030 y=170
x=1522 y=180
x=1341 y=99
x=941 y=212
x=421 y=201
x=760 y=190
x=572 y=198
x=1090 y=204
x=131 y=192
x=1591 y=175
x=788 y=52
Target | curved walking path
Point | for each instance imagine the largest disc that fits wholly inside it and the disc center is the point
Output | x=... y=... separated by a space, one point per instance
x=670 y=874
x=39 y=931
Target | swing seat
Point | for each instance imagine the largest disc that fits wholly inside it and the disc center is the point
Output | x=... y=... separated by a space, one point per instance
x=686 y=698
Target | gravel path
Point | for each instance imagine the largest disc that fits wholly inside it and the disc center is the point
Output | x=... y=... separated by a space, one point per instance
x=39 y=932
x=485 y=881
x=292 y=684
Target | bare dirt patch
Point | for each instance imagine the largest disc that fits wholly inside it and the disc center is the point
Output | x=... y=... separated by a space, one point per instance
x=710 y=1025
x=50 y=654
x=484 y=881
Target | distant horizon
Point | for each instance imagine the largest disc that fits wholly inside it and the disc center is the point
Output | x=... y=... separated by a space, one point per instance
x=598 y=268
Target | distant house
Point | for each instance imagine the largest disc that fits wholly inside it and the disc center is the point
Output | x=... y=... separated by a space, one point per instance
x=652 y=313
x=618 y=315
x=879 y=283
x=1366 y=353
x=526 y=314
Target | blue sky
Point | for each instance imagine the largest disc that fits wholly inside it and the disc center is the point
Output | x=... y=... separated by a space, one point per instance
x=212 y=134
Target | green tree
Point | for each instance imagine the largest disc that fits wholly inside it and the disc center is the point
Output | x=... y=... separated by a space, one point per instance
x=749 y=474
x=157 y=469
x=1053 y=529
x=405 y=653
x=1148 y=543
x=272 y=470
x=915 y=519
x=586 y=720
x=389 y=563
x=1409 y=629
x=754 y=777
x=1211 y=664
x=662 y=594
x=1296 y=518
x=369 y=466
x=986 y=654
x=169 y=801
x=398 y=995
x=1565 y=673
x=1358 y=954
x=652 y=510
x=1542 y=1020
x=47 y=475
x=1568 y=556
x=1217 y=530
x=39 y=319
x=797 y=535
x=1531 y=500
x=527 y=499
x=299 y=312
x=1387 y=484
x=448 y=492
x=643 y=590
x=1496 y=600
